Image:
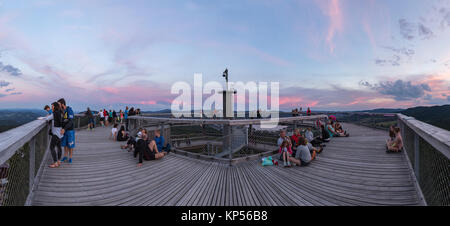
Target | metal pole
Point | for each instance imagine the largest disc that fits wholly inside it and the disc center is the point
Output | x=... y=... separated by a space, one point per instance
x=230 y=130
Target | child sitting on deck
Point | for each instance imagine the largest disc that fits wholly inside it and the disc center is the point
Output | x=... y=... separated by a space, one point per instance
x=285 y=153
x=114 y=132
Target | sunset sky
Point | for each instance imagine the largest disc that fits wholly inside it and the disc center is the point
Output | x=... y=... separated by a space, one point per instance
x=326 y=54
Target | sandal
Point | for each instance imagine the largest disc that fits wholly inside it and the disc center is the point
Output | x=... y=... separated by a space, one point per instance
x=54 y=165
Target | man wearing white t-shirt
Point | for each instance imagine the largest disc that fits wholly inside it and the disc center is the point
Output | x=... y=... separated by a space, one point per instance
x=102 y=118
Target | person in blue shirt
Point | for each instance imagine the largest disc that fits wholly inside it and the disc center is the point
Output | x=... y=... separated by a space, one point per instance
x=159 y=140
x=68 y=140
x=48 y=109
x=125 y=116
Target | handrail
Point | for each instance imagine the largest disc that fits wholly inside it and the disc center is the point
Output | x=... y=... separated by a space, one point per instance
x=226 y=121
x=24 y=151
x=437 y=137
x=427 y=150
x=13 y=139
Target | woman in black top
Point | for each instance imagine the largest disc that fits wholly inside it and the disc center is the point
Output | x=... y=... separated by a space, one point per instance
x=325 y=134
x=122 y=135
x=114 y=115
x=55 y=142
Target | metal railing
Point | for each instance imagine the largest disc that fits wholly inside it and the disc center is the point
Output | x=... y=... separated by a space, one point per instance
x=225 y=140
x=428 y=150
x=24 y=152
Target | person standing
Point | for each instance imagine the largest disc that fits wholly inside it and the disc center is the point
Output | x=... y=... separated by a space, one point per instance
x=90 y=116
x=105 y=113
x=126 y=118
x=48 y=109
x=121 y=116
x=68 y=140
x=102 y=117
x=110 y=117
x=55 y=142
x=114 y=116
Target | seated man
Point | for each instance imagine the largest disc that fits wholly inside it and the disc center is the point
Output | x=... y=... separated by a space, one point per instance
x=395 y=145
x=159 y=140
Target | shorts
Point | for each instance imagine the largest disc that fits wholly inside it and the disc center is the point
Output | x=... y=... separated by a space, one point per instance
x=303 y=163
x=149 y=155
x=102 y=119
x=91 y=120
x=68 y=140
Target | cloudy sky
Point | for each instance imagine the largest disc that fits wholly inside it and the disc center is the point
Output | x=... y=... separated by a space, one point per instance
x=326 y=54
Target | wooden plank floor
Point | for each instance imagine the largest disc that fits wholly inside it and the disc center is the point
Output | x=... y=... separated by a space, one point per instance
x=351 y=171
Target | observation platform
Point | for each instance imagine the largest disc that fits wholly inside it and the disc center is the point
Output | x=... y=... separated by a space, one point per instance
x=353 y=170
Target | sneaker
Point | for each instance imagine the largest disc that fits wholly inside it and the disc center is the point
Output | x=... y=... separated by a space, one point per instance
x=289 y=164
x=64 y=159
x=70 y=161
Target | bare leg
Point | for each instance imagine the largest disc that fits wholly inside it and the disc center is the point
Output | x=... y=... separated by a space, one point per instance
x=66 y=151
x=295 y=161
x=159 y=155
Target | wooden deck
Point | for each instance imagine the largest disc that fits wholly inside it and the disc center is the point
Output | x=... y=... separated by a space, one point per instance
x=350 y=171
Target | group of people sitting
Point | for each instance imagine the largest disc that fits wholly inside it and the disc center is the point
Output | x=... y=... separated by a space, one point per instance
x=142 y=145
x=395 y=141
x=298 y=149
x=332 y=129
x=301 y=150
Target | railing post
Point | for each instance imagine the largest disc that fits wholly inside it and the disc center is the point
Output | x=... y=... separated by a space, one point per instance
x=416 y=156
x=230 y=130
x=32 y=145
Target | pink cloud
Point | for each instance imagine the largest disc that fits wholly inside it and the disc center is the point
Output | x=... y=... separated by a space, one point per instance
x=333 y=10
x=151 y=102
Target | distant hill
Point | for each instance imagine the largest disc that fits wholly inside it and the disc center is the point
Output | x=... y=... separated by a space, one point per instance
x=384 y=110
x=11 y=118
x=437 y=115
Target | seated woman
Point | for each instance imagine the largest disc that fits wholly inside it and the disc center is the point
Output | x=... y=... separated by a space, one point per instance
x=316 y=142
x=303 y=156
x=122 y=135
x=333 y=132
x=325 y=135
x=146 y=149
x=392 y=133
x=338 y=127
x=395 y=145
